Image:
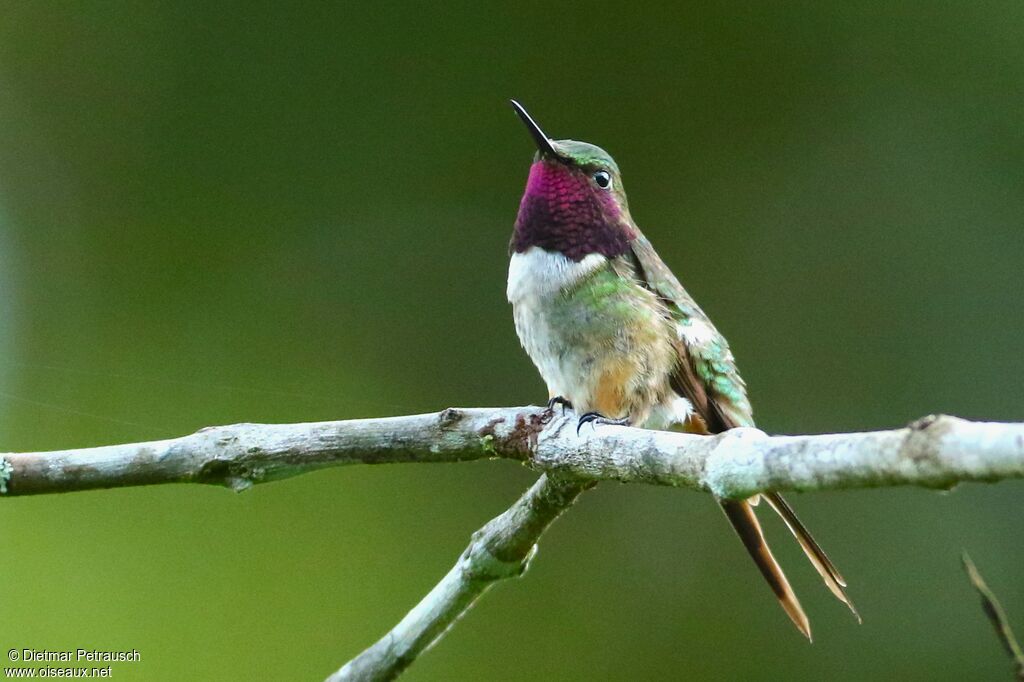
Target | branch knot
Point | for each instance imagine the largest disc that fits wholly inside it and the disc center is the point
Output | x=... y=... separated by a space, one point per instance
x=735 y=467
x=479 y=563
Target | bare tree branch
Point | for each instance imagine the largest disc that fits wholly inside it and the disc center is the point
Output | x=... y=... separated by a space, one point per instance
x=501 y=549
x=935 y=452
x=241 y=455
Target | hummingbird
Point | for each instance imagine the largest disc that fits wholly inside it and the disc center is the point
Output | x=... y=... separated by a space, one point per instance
x=617 y=338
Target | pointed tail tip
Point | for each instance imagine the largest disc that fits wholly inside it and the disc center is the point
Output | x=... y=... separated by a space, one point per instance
x=821 y=562
x=838 y=589
x=799 y=618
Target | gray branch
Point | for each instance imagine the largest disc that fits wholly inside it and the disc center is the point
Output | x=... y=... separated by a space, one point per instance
x=501 y=549
x=934 y=452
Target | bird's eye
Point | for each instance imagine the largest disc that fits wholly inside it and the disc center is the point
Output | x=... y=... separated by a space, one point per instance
x=603 y=179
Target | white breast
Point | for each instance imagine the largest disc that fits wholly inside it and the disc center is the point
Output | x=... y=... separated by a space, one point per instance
x=535 y=279
x=538 y=273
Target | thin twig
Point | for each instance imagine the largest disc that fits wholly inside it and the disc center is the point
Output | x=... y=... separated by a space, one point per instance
x=997 y=616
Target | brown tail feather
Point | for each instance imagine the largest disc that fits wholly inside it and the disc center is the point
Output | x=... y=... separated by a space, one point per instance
x=743 y=520
x=829 y=573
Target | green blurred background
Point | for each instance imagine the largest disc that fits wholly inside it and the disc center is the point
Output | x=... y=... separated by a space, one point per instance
x=268 y=212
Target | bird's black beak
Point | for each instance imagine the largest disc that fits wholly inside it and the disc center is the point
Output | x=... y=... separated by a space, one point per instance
x=542 y=141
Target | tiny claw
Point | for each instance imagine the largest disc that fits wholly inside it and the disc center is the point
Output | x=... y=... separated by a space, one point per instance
x=595 y=418
x=559 y=400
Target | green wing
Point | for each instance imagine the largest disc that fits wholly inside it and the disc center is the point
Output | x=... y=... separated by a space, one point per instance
x=706 y=374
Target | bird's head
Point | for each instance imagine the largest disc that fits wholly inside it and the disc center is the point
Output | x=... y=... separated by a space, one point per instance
x=574 y=203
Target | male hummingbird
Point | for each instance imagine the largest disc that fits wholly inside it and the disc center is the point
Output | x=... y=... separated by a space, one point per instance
x=614 y=334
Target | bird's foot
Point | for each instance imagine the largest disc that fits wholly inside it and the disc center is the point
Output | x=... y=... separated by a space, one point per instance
x=559 y=400
x=595 y=418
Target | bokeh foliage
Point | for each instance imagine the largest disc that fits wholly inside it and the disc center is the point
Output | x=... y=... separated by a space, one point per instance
x=277 y=212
